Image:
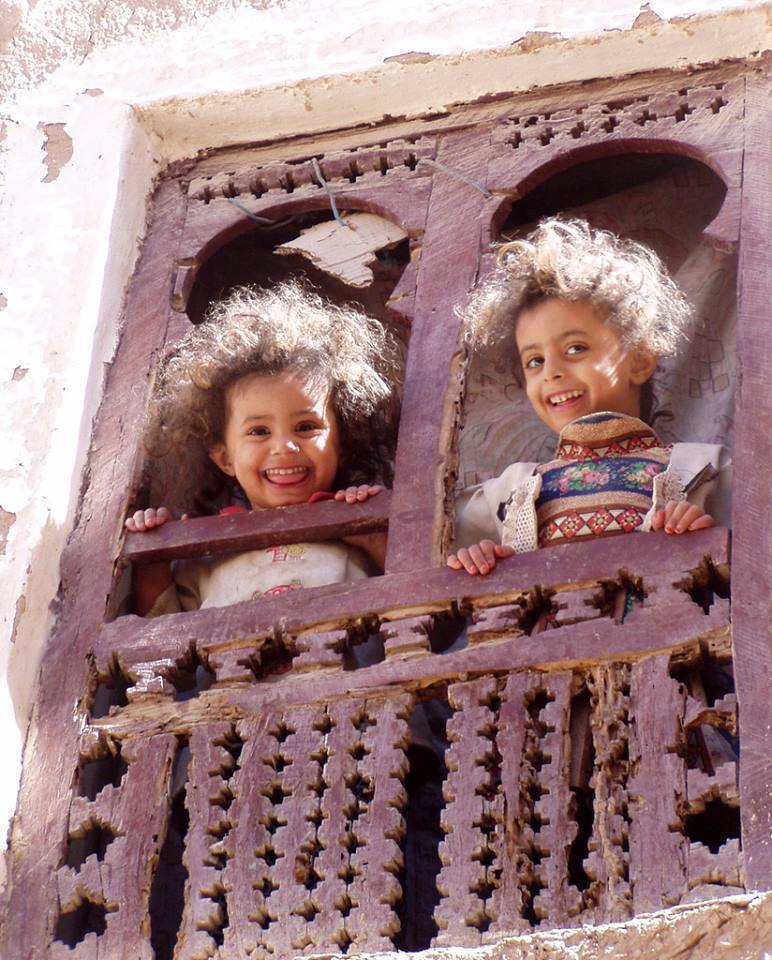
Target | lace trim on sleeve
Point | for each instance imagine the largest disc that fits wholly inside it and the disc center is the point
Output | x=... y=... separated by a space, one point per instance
x=519 y=529
x=667 y=486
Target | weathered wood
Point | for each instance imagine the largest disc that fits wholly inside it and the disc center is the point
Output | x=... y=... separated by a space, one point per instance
x=247 y=876
x=136 y=813
x=662 y=629
x=462 y=912
x=171 y=635
x=375 y=891
x=207 y=798
x=515 y=827
x=657 y=788
x=447 y=272
x=401 y=197
x=235 y=533
x=407 y=638
x=294 y=898
x=608 y=862
x=559 y=902
x=751 y=516
x=39 y=832
x=701 y=121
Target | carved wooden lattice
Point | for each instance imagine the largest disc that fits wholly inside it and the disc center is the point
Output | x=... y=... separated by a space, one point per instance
x=570 y=789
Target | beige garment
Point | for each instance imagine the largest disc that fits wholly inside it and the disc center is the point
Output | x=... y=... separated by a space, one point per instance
x=221 y=581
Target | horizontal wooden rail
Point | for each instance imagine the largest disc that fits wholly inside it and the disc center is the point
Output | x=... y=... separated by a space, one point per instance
x=672 y=627
x=648 y=555
x=326 y=520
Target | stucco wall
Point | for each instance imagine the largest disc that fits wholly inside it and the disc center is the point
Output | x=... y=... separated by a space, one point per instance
x=99 y=97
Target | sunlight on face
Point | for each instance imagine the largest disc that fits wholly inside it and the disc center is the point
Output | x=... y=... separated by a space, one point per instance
x=574 y=363
x=281 y=442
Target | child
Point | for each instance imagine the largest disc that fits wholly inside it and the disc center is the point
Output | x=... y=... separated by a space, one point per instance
x=589 y=315
x=277 y=398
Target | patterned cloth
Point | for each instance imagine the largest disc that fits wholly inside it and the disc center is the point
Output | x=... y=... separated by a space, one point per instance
x=601 y=481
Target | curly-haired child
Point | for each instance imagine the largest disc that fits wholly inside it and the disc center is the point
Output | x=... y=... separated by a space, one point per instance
x=589 y=315
x=278 y=397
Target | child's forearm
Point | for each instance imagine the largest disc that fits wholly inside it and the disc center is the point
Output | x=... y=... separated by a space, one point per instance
x=150 y=581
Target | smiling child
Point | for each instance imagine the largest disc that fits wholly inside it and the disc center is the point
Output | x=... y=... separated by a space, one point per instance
x=277 y=398
x=588 y=315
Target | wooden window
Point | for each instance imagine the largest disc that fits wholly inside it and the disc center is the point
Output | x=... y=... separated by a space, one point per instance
x=300 y=807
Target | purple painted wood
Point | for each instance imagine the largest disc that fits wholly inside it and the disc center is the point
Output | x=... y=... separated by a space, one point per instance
x=140 y=640
x=447 y=271
x=327 y=520
x=751 y=516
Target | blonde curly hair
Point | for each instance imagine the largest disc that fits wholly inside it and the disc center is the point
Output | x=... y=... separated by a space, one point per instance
x=287 y=328
x=568 y=259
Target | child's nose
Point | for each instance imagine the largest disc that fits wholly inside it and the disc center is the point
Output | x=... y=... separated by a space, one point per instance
x=553 y=367
x=288 y=443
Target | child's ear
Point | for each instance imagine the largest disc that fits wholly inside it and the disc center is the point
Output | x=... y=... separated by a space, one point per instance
x=219 y=455
x=644 y=363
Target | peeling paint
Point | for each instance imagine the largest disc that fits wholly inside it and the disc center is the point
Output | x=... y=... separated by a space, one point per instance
x=20 y=373
x=21 y=608
x=646 y=17
x=57 y=149
x=7 y=520
x=411 y=58
x=535 y=39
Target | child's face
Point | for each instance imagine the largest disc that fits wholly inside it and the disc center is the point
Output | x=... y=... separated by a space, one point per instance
x=575 y=364
x=282 y=441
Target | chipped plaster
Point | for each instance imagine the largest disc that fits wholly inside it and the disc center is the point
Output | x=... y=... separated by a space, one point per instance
x=128 y=87
x=57 y=149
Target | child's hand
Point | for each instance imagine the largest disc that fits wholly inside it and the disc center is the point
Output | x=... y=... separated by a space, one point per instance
x=479 y=558
x=358 y=494
x=679 y=516
x=144 y=520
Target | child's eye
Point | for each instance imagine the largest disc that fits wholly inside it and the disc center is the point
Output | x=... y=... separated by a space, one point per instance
x=258 y=432
x=533 y=362
x=575 y=348
x=307 y=426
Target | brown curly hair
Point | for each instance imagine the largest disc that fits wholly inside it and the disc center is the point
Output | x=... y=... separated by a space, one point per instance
x=286 y=328
x=568 y=259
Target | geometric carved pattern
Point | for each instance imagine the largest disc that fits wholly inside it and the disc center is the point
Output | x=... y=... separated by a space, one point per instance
x=510 y=828
x=603 y=119
x=347 y=167
x=295 y=832
x=104 y=901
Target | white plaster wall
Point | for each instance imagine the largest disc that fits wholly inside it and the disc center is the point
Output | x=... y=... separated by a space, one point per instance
x=132 y=86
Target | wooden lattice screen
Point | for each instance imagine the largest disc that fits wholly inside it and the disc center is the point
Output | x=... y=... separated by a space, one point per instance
x=298 y=812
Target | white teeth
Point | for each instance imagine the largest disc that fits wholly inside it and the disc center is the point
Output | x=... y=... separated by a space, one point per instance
x=284 y=471
x=562 y=397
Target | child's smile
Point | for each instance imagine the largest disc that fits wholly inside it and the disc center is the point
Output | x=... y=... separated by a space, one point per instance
x=574 y=363
x=281 y=439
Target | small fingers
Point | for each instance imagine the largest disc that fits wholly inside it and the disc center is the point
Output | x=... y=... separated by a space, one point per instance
x=682 y=516
x=463 y=561
x=358 y=494
x=142 y=520
x=702 y=522
x=658 y=520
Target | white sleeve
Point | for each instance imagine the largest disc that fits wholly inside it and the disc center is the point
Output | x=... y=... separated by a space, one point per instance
x=477 y=508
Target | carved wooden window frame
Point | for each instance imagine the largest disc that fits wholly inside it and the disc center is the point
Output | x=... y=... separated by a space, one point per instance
x=717 y=116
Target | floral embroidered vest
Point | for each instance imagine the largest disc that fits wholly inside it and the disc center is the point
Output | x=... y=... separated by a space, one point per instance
x=601 y=480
